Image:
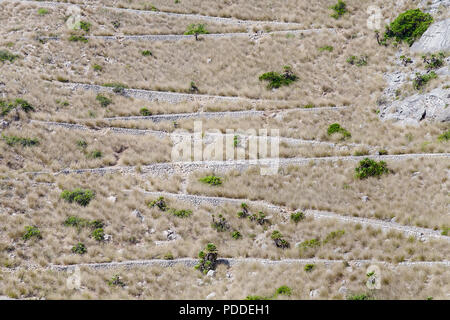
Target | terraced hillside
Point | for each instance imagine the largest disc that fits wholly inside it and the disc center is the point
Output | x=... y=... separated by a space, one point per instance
x=345 y=197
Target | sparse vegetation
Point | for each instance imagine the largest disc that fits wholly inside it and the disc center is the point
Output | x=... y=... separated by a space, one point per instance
x=421 y=80
x=78 y=195
x=24 y=142
x=212 y=180
x=31 y=232
x=357 y=61
x=104 y=101
x=277 y=80
x=7 y=56
x=370 y=168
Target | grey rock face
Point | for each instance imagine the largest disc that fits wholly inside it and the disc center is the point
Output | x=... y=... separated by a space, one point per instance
x=436 y=38
x=433 y=106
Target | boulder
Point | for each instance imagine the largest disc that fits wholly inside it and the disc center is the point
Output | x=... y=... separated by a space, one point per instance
x=432 y=106
x=435 y=39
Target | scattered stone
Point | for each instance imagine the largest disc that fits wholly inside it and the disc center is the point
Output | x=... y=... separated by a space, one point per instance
x=210 y=296
x=171 y=235
x=211 y=273
x=112 y=199
x=343 y=290
x=365 y=198
x=107 y=237
x=314 y=293
x=139 y=215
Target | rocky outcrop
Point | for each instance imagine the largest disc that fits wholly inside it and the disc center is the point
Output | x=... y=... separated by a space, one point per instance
x=436 y=38
x=433 y=106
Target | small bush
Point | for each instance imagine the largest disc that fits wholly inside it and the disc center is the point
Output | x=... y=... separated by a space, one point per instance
x=96 y=154
x=445 y=231
x=98 y=234
x=31 y=232
x=181 y=213
x=340 y=8
x=7 y=56
x=80 y=196
x=334 y=235
x=74 y=221
x=76 y=38
x=244 y=213
x=409 y=26
x=236 y=235
x=104 y=101
x=220 y=225
x=382 y=152
x=97 y=67
x=310 y=243
x=297 y=216
x=284 y=290
x=359 y=297
x=326 y=48
x=42 y=11
x=86 y=26
x=370 y=168
x=277 y=237
x=196 y=29
x=445 y=136
x=212 y=180
x=116 y=281
x=82 y=144
x=79 y=248
x=260 y=217
x=160 y=203
x=406 y=60
x=193 y=88
x=336 y=128
x=309 y=267
x=24 y=142
x=256 y=298
x=422 y=79
x=145 y=112
x=357 y=61
x=277 y=80
x=6 y=107
x=168 y=256
x=208 y=259
x=146 y=53
x=433 y=61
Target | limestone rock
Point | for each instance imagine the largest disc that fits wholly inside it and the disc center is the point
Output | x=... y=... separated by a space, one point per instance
x=436 y=38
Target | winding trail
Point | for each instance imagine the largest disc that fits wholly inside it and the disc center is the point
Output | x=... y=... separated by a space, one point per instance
x=163 y=134
x=168 y=14
x=180 y=37
x=170 y=168
x=189 y=262
x=317 y=214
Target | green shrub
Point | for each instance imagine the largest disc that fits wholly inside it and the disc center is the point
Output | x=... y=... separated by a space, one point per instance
x=244 y=212
x=277 y=237
x=445 y=136
x=382 y=152
x=31 y=232
x=181 y=213
x=208 y=259
x=212 y=180
x=370 y=168
x=24 y=142
x=77 y=38
x=310 y=243
x=336 y=128
x=256 y=298
x=80 y=196
x=146 y=53
x=326 y=48
x=362 y=296
x=79 y=248
x=277 y=80
x=309 y=267
x=168 y=256
x=8 y=106
x=116 y=281
x=145 y=112
x=409 y=26
x=104 y=101
x=422 y=79
x=7 y=56
x=193 y=87
x=433 y=61
x=236 y=235
x=42 y=11
x=406 y=60
x=340 y=8
x=445 y=231
x=220 y=225
x=95 y=154
x=196 y=29
x=333 y=235
x=297 y=216
x=74 y=221
x=97 y=67
x=86 y=26
x=82 y=144
x=98 y=234
x=160 y=203
x=354 y=60
x=284 y=290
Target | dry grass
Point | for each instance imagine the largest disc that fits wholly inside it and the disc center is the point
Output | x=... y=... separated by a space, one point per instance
x=246 y=279
x=415 y=194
